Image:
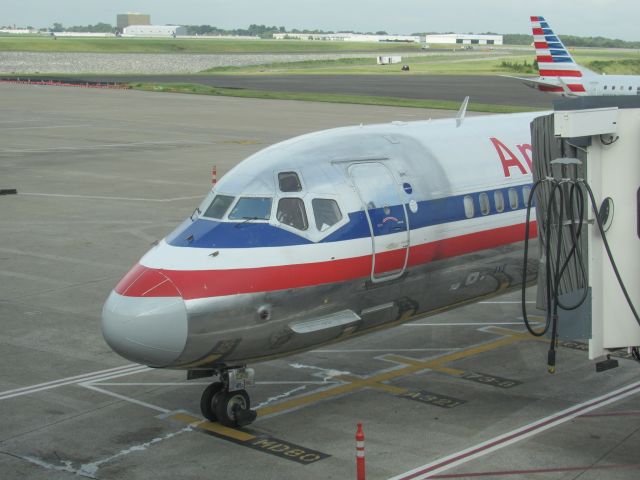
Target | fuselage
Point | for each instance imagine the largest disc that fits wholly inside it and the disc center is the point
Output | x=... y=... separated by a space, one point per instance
x=329 y=234
x=596 y=85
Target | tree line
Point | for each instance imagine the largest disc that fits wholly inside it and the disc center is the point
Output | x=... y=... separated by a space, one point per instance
x=265 y=31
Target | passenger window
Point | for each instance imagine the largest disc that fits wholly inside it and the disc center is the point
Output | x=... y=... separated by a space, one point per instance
x=289 y=182
x=219 y=206
x=498 y=199
x=485 y=206
x=326 y=213
x=469 y=209
x=251 y=208
x=613 y=87
x=291 y=212
x=605 y=87
x=513 y=198
x=629 y=88
x=526 y=191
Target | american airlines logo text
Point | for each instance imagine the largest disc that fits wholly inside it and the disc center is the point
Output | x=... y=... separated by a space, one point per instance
x=512 y=163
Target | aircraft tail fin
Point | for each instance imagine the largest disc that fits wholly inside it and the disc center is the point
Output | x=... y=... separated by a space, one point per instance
x=554 y=60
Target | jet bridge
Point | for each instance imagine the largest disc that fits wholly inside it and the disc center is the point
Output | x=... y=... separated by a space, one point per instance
x=586 y=169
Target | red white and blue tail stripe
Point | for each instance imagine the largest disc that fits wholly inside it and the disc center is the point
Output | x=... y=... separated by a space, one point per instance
x=555 y=63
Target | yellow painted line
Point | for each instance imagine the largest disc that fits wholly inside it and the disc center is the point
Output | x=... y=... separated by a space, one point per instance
x=389 y=388
x=449 y=371
x=214 y=427
x=377 y=380
x=184 y=418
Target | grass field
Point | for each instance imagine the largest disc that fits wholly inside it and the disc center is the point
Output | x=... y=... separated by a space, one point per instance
x=199 y=89
x=204 y=45
x=480 y=63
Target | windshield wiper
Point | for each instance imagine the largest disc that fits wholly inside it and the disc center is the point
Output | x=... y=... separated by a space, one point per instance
x=246 y=220
x=194 y=212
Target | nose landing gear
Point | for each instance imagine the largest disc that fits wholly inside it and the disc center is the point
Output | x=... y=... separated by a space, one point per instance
x=227 y=401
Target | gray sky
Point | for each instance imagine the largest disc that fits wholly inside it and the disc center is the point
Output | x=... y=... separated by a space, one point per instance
x=608 y=18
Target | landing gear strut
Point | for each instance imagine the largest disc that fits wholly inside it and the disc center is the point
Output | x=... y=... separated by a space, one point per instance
x=227 y=401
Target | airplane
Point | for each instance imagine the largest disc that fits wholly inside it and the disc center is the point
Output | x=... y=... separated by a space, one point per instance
x=560 y=74
x=325 y=236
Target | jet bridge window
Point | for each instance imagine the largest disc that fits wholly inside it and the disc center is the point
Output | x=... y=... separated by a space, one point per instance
x=326 y=213
x=251 y=208
x=219 y=206
x=291 y=212
x=289 y=182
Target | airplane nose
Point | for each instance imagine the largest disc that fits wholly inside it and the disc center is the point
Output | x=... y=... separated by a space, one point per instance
x=147 y=330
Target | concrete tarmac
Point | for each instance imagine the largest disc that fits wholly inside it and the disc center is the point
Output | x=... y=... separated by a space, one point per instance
x=101 y=174
x=490 y=89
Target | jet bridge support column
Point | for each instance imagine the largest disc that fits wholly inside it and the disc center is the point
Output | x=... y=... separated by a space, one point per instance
x=591 y=142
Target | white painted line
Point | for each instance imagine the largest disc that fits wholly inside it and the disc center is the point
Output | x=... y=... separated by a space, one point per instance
x=99 y=197
x=140 y=369
x=170 y=384
x=104 y=146
x=48 y=126
x=271 y=400
x=60 y=258
x=125 y=398
x=153 y=384
x=460 y=324
x=68 y=380
x=388 y=350
x=509 y=438
x=90 y=470
x=503 y=302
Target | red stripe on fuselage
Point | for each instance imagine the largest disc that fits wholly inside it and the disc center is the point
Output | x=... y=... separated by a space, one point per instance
x=192 y=284
x=544 y=88
x=560 y=73
x=574 y=87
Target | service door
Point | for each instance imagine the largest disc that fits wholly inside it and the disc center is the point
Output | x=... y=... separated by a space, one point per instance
x=387 y=217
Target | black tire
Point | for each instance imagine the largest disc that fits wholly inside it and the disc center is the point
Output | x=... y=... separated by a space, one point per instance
x=207 y=401
x=227 y=403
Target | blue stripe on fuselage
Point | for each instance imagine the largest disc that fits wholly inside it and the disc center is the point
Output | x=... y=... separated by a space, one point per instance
x=203 y=233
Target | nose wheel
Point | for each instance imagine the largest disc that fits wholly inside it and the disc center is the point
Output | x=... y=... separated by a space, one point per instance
x=227 y=402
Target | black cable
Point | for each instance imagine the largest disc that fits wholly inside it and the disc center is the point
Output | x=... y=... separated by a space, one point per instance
x=525 y=266
x=608 y=249
x=555 y=268
x=576 y=249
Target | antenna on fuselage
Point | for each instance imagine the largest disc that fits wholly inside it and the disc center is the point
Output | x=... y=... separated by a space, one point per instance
x=462 y=111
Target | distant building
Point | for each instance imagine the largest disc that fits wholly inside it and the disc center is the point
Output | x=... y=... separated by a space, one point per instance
x=463 y=39
x=124 y=20
x=154 y=31
x=347 y=37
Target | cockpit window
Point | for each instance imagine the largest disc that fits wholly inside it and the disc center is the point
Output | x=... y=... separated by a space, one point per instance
x=326 y=213
x=254 y=208
x=291 y=212
x=219 y=206
x=289 y=182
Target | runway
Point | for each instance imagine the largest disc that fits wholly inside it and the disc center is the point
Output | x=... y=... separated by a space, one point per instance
x=489 y=89
x=101 y=175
